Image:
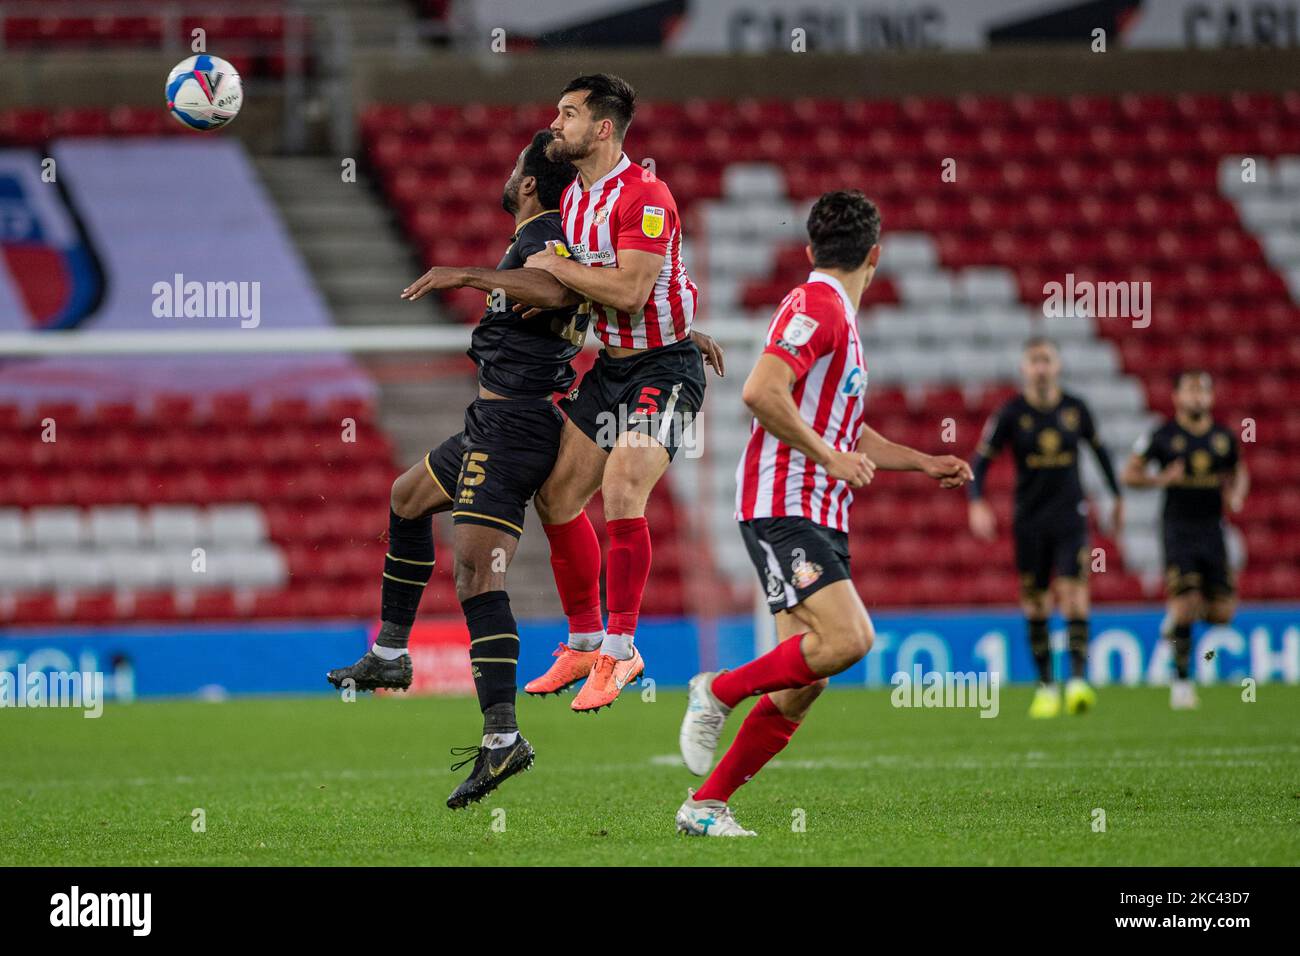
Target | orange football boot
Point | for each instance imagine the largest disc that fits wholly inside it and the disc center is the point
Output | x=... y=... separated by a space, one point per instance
x=570 y=667
x=606 y=680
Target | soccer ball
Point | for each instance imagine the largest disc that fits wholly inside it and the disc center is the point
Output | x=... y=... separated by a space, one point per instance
x=204 y=92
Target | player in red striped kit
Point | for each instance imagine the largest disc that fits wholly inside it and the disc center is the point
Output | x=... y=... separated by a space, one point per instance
x=627 y=415
x=809 y=448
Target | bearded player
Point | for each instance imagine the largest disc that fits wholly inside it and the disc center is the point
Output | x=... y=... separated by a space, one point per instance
x=1197 y=461
x=808 y=449
x=627 y=415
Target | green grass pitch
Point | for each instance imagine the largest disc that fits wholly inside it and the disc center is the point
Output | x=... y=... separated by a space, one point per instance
x=320 y=781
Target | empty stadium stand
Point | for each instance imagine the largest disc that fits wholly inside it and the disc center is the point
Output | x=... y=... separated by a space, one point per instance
x=966 y=259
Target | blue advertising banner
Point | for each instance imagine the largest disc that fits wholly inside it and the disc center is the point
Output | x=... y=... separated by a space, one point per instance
x=1262 y=642
x=291 y=658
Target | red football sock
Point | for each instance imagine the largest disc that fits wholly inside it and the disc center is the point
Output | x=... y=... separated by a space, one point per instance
x=629 y=569
x=762 y=736
x=781 y=667
x=575 y=559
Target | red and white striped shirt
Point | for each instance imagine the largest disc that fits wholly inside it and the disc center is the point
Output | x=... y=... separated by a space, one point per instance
x=628 y=208
x=815 y=332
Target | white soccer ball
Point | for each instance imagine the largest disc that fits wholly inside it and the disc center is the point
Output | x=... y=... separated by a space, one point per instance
x=204 y=92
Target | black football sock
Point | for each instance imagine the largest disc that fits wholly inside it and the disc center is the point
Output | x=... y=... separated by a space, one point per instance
x=407 y=567
x=493 y=658
x=1040 y=647
x=1077 y=629
x=1183 y=650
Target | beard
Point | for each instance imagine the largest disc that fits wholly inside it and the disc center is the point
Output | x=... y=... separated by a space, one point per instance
x=564 y=151
x=510 y=201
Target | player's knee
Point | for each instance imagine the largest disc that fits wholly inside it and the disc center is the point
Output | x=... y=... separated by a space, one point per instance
x=1182 y=610
x=474 y=574
x=554 y=506
x=852 y=641
x=402 y=498
x=1219 y=612
x=623 y=497
x=1075 y=605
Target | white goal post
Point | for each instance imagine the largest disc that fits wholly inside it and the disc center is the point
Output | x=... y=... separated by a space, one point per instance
x=355 y=339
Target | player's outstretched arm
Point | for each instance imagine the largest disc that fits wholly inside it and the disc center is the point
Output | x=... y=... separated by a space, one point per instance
x=625 y=287
x=949 y=470
x=767 y=396
x=533 y=287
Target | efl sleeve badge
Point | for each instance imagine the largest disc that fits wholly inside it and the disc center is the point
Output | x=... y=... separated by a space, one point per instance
x=652 y=221
x=799 y=330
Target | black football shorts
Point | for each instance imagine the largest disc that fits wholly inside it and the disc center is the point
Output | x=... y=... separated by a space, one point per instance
x=1196 y=559
x=795 y=557
x=657 y=392
x=492 y=468
x=1050 y=546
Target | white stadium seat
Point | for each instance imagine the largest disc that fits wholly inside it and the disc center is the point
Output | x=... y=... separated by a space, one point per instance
x=79 y=570
x=753 y=181
x=987 y=286
x=177 y=567
x=24 y=572
x=926 y=288
x=176 y=525
x=116 y=525
x=1286 y=178
x=57 y=527
x=136 y=570
x=1230 y=181
x=904 y=252
x=236 y=524
x=13 y=529
x=264 y=567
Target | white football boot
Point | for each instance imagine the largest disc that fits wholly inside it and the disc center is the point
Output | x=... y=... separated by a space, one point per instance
x=702 y=725
x=1182 y=695
x=708 y=818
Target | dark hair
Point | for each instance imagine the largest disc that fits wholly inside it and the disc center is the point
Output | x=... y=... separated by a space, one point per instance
x=552 y=177
x=1190 y=373
x=1035 y=341
x=842 y=227
x=608 y=97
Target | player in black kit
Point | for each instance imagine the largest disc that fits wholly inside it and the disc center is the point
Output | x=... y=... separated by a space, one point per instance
x=1045 y=428
x=1196 y=461
x=486 y=474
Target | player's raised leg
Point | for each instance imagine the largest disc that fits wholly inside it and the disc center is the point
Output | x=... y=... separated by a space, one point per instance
x=575 y=557
x=635 y=465
x=416 y=496
x=827 y=632
x=763 y=734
